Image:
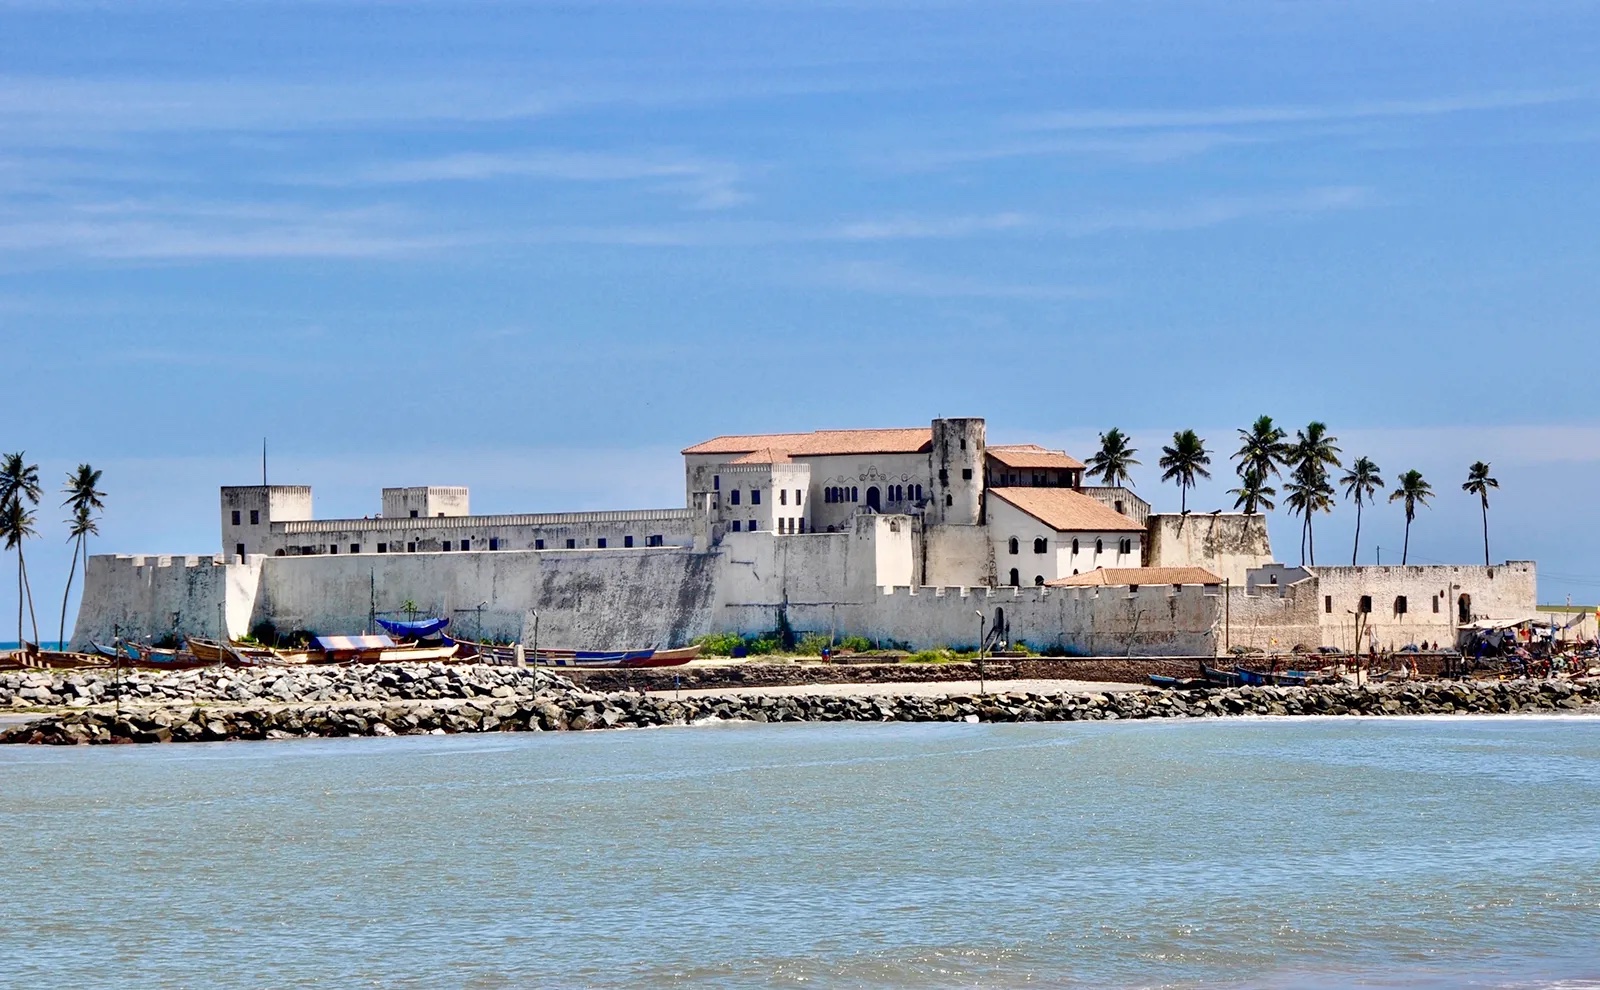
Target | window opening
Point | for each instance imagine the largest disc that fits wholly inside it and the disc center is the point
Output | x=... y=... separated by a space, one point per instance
x=1041 y=545
x=1011 y=545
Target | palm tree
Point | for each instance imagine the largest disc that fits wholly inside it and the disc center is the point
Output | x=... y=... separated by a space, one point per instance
x=1114 y=459
x=19 y=488
x=1185 y=459
x=85 y=499
x=1311 y=455
x=1261 y=449
x=1361 y=484
x=1479 y=483
x=1414 y=492
x=1254 y=493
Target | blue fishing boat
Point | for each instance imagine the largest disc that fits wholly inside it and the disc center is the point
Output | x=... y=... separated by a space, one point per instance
x=1220 y=678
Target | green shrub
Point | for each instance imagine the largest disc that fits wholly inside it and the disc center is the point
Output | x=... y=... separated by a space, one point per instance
x=719 y=644
x=854 y=644
x=811 y=645
x=762 y=645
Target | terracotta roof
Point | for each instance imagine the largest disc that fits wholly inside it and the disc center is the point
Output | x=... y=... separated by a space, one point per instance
x=765 y=455
x=914 y=440
x=1031 y=455
x=1117 y=577
x=1065 y=510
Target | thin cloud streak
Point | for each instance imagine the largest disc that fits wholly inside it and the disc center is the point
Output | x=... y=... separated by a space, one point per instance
x=1100 y=120
x=887 y=278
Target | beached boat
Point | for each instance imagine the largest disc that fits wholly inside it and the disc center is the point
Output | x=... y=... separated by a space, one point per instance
x=1220 y=678
x=233 y=654
x=375 y=649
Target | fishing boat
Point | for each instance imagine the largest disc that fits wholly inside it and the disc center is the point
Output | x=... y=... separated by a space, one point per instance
x=1251 y=678
x=1177 y=683
x=233 y=654
x=1220 y=678
x=375 y=649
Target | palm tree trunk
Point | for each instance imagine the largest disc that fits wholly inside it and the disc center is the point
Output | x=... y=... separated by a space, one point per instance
x=1311 y=533
x=1357 y=547
x=19 y=597
x=61 y=633
x=1405 y=548
x=1486 y=531
x=33 y=617
x=1183 y=503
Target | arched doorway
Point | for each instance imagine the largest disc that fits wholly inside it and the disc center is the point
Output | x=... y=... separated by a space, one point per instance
x=873 y=501
x=1016 y=579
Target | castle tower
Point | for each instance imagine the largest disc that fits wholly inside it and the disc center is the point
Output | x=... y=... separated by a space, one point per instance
x=956 y=466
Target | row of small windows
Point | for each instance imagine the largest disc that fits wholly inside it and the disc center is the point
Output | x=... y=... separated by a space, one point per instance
x=255 y=517
x=447 y=546
x=841 y=494
x=1401 y=605
x=755 y=496
x=1041 y=545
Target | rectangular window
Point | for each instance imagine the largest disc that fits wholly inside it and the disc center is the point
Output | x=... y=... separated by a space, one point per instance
x=494 y=543
x=1435 y=604
x=755 y=496
x=538 y=544
x=572 y=544
x=383 y=548
x=466 y=544
x=656 y=541
x=797 y=496
x=736 y=526
x=255 y=517
x=716 y=482
x=413 y=513
x=1327 y=604
x=627 y=541
x=783 y=496
x=966 y=474
x=754 y=525
x=944 y=477
x=1366 y=604
x=445 y=545
x=1400 y=605
x=802 y=524
x=333 y=548
x=308 y=550
x=733 y=497
x=238 y=548
x=411 y=546
x=236 y=517
x=1126 y=547
x=601 y=543
x=355 y=548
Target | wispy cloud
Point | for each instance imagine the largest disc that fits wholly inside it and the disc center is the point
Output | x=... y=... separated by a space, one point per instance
x=888 y=278
x=1235 y=116
x=707 y=184
x=154 y=230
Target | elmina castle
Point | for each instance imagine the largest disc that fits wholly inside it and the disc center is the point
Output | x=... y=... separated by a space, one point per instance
x=906 y=536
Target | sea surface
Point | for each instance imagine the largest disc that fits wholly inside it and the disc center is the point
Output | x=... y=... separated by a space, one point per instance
x=48 y=644
x=1296 y=853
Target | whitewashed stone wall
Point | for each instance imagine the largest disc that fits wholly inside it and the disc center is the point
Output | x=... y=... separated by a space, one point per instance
x=1227 y=544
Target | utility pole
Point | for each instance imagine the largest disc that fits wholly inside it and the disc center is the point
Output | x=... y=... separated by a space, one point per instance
x=982 y=685
x=1227 y=616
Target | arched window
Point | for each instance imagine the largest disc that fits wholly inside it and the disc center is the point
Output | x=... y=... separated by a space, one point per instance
x=1074 y=548
x=949 y=500
x=1038 y=580
x=919 y=493
x=1011 y=545
x=1016 y=578
x=1099 y=546
x=1041 y=545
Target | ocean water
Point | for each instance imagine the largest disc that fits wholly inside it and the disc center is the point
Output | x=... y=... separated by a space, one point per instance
x=48 y=644
x=1297 y=853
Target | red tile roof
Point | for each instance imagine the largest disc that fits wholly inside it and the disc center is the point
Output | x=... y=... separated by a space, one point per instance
x=765 y=455
x=821 y=443
x=1065 y=510
x=1031 y=455
x=1117 y=577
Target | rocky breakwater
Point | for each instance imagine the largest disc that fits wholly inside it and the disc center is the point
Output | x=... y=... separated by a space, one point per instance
x=387 y=701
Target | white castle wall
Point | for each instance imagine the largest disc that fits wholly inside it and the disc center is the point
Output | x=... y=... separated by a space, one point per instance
x=151 y=597
x=1228 y=544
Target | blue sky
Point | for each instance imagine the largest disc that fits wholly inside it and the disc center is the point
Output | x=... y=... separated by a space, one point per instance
x=537 y=248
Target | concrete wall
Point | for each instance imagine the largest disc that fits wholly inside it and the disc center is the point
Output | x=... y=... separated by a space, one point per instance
x=956 y=464
x=427 y=500
x=676 y=527
x=957 y=557
x=152 y=597
x=1433 y=600
x=1227 y=544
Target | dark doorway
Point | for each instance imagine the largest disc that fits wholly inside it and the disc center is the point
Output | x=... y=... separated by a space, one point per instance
x=872 y=499
x=1464 y=609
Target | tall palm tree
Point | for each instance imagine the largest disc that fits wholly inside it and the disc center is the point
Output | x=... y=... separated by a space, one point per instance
x=1479 y=483
x=85 y=499
x=1114 y=459
x=1253 y=493
x=19 y=489
x=1361 y=484
x=1311 y=454
x=1184 y=460
x=1413 y=491
x=1260 y=448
